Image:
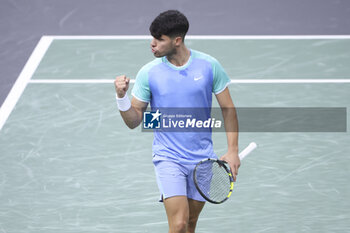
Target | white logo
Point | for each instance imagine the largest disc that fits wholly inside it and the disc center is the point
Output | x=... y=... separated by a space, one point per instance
x=151 y=120
x=156 y=115
x=198 y=78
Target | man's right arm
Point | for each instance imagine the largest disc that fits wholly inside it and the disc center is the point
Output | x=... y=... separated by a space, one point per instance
x=134 y=114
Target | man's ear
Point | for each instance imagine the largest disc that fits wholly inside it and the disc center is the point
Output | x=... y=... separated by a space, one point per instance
x=178 y=41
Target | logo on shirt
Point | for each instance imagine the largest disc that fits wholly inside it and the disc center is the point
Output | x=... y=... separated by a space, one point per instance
x=152 y=120
x=196 y=78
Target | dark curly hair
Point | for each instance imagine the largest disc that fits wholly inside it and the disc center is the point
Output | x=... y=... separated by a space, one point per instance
x=171 y=23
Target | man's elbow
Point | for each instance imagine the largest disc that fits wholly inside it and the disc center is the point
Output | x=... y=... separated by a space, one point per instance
x=132 y=125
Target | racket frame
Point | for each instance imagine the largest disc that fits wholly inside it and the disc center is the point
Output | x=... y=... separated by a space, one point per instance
x=229 y=176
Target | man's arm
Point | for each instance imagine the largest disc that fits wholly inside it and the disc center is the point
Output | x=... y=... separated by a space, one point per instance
x=231 y=128
x=134 y=114
x=133 y=117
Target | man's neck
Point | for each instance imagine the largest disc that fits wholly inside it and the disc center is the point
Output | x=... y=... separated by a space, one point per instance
x=180 y=57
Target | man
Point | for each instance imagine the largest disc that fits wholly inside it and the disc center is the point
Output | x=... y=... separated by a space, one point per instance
x=179 y=78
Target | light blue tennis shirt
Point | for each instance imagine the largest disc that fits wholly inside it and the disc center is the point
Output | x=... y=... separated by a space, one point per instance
x=165 y=85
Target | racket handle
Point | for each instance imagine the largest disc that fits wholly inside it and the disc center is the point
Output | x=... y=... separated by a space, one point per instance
x=247 y=150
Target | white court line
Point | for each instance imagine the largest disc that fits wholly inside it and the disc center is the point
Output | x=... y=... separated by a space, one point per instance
x=244 y=81
x=206 y=37
x=23 y=79
x=287 y=81
x=72 y=81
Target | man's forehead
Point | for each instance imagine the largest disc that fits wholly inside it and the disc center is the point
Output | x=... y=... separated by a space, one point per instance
x=162 y=37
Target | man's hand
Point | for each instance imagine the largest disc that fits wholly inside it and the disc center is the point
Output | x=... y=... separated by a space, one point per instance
x=121 y=85
x=234 y=162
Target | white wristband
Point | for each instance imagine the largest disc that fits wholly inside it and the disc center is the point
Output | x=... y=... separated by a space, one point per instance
x=124 y=103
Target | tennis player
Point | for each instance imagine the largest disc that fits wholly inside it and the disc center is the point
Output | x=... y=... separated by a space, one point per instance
x=182 y=78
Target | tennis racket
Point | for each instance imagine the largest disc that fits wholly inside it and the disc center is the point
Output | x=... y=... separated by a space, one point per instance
x=213 y=177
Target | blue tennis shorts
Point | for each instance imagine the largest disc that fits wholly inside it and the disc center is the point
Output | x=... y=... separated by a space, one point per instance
x=175 y=179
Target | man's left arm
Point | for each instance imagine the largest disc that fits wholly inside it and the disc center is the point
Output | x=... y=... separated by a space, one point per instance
x=231 y=128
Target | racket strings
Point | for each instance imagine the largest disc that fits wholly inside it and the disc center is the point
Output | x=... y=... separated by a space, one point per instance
x=213 y=180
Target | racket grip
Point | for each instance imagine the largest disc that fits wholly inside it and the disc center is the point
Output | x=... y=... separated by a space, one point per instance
x=247 y=150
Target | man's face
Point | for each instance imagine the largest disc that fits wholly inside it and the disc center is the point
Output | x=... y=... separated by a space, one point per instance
x=163 y=46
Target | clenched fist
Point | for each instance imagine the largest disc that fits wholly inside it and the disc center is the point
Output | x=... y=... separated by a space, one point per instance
x=121 y=85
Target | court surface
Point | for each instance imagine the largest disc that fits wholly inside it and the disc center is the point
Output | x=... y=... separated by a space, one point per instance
x=69 y=164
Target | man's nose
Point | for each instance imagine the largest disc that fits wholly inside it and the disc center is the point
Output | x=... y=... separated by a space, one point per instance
x=153 y=43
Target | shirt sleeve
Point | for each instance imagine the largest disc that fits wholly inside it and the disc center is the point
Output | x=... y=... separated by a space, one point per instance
x=141 y=90
x=220 y=78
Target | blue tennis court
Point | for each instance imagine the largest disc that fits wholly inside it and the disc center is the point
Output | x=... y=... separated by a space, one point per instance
x=69 y=164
